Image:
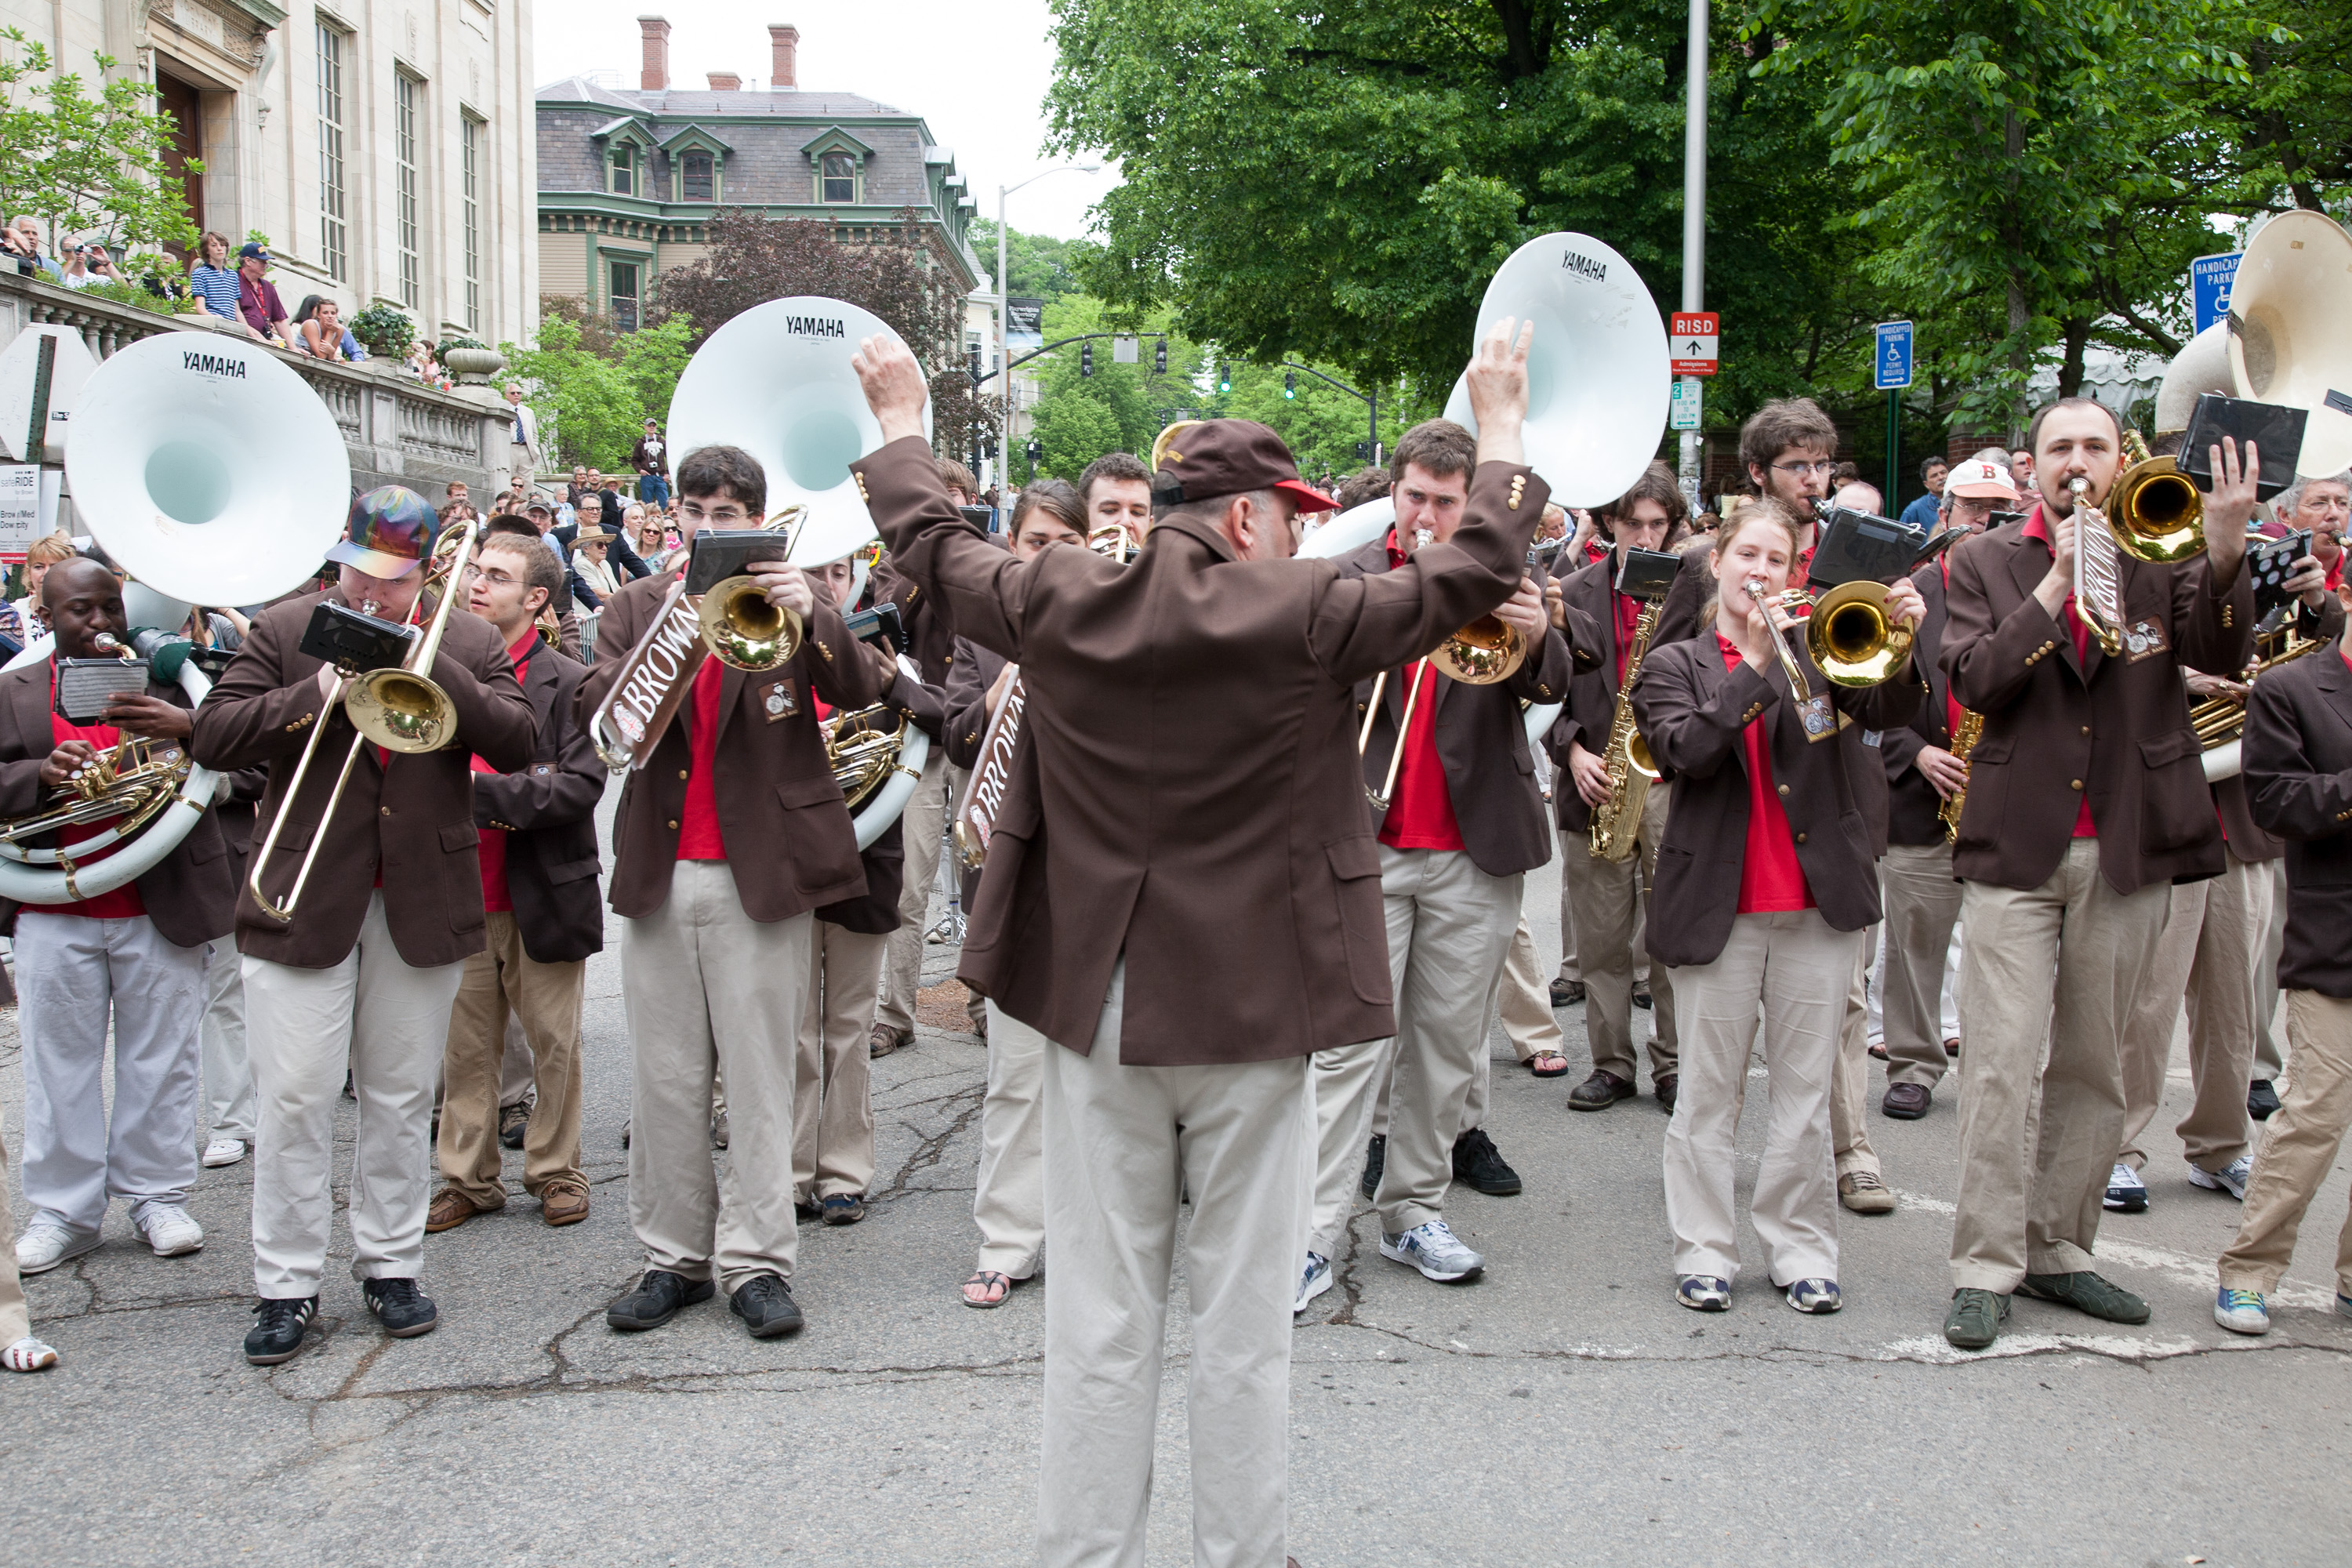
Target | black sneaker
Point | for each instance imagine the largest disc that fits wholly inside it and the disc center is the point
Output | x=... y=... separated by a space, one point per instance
x=514 y=1126
x=1376 y=1160
x=1642 y=994
x=402 y=1310
x=2261 y=1099
x=843 y=1208
x=766 y=1306
x=1479 y=1165
x=279 y=1324
x=656 y=1300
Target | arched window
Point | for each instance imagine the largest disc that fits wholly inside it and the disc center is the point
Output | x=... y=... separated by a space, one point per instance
x=839 y=182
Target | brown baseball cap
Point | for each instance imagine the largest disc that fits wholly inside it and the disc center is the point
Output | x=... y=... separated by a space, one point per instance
x=1229 y=457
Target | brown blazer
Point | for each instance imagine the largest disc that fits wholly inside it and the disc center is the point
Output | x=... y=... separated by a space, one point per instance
x=1590 y=592
x=190 y=894
x=1192 y=799
x=1482 y=741
x=972 y=671
x=549 y=812
x=2298 y=757
x=413 y=819
x=1914 y=811
x=2115 y=727
x=788 y=832
x=1695 y=711
x=930 y=636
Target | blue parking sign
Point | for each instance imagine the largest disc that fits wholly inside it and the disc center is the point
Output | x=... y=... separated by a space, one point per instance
x=2209 y=278
x=1894 y=355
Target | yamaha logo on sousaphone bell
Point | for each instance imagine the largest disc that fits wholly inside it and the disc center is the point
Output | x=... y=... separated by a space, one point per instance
x=815 y=327
x=212 y=364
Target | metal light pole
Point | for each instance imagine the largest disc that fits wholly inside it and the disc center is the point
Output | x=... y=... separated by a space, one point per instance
x=1004 y=292
x=1695 y=212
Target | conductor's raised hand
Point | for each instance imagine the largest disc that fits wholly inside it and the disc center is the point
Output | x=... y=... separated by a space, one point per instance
x=894 y=385
x=1497 y=384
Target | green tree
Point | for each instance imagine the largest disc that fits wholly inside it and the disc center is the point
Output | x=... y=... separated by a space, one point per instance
x=1041 y=266
x=89 y=166
x=593 y=401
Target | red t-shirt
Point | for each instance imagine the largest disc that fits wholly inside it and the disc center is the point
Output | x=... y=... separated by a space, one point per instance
x=1421 y=815
x=496 y=898
x=1772 y=878
x=1629 y=612
x=2035 y=528
x=698 y=835
x=123 y=903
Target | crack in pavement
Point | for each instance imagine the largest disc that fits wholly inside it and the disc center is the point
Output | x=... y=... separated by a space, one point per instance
x=928 y=1150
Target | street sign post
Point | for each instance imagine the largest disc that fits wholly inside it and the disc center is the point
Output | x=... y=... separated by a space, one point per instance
x=1683 y=404
x=1893 y=371
x=2210 y=278
x=1692 y=343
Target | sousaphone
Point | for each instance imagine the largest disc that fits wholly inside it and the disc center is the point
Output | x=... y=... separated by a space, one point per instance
x=2290 y=331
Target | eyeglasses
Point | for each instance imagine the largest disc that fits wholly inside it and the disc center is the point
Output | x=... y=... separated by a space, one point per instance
x=1825 y=467
x=495 y=579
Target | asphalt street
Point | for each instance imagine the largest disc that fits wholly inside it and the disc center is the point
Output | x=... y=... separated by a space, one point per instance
x=1562 y=1409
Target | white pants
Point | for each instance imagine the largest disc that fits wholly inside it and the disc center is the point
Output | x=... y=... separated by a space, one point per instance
x=228 y=1076
x=388 y=1021
x=1009 y=1204
x=71 y=971
x=1121 y=1145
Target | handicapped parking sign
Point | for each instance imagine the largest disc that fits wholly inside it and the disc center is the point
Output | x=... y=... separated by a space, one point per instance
x=1894 y=359
x=2209 y=278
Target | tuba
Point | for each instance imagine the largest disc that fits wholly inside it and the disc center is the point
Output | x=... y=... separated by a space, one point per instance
x=209 y=471
x=2289 y=305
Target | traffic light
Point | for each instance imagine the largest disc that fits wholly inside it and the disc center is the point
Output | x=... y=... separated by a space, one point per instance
x=1036 y=453
x=1224 y=376
x=973 y=353
x=1160 y=358
x=1086 y=359
x=988 y=444
x=1289 y=384
x=1363 y=451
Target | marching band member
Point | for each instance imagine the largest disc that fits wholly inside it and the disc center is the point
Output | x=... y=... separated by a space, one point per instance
x=2299 y=772
x=724 y=842
x=538 y=828
x=135 y=954
x=2086 y=801
x=1922 y=901
x=1115 y=489
x=365 y=977
x=1603 y=895
x=1762 y=785
x=1462 y=825
x=1008 y=1200
x=1183 y=894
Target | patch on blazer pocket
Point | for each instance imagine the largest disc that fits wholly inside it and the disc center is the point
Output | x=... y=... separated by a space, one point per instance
x=782 y=699
x=2146 y=640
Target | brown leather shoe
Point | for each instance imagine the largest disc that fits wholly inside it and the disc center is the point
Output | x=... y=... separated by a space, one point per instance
x=451 y=1208
x=886 y=1039
x=1601 y=1091
x=563 y=1200
x=1666 y=1086
x=1906 y=1101
x=1864 y=1193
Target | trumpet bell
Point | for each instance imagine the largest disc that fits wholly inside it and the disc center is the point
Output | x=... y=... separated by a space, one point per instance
x=1853 y=638
x=401 y=711
x=2156 y=514
x=1487 y=650
x=744 y=630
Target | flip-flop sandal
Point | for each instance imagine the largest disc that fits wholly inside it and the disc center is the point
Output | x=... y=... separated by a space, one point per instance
x=1548 y=1064
x=988 y=1280
x=1877 y=1053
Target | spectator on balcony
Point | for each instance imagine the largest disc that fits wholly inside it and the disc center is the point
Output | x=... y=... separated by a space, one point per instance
x=45 y=553
x=256 y=298
x=212 y=278
x=87 y=262
x=21 y=243
x=321 y=333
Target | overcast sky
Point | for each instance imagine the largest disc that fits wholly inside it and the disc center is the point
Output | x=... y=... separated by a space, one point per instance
x=976 y=70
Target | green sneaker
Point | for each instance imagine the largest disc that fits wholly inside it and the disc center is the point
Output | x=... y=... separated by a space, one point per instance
x=2087 y=1292
x=1975 y=1319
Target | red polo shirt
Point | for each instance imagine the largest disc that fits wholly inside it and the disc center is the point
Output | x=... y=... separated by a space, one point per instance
x=1772 y=878
x=2035 y=528
x=1421 y=815
x=1629 y=612
x=123 y=903
x=698 y=835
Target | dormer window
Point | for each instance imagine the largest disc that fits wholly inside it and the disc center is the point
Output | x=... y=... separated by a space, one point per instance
x=838 y=178
x=695 y=179
x=624 y=171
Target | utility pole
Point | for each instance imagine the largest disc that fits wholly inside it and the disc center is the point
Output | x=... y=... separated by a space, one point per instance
x=1695 y=215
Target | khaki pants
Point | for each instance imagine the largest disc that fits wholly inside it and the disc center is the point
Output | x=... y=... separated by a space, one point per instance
x=503 y=981
x=388 y=1022
x=1797 y=969
x=2029 y=1199
x=2268 y=1064
x=1449 y=928
x=928 y=811
x=1607 y=898
x=1120 y=1143
x=832 y=1100
x=2212 y=940
x=711 y=991
x=16 y=1320
x=1523 y=1002
x=228 y=1076
x=1923 y=905
x=1009 y=1202
x=2298 y=1148
x=1850 y=1085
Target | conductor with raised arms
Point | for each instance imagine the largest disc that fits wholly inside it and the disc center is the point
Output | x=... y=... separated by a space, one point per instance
x=1184 y=895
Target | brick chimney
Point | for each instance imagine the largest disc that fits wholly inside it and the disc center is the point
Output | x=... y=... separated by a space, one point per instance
x=784 y=42
x=726 y=81
x=655 y=75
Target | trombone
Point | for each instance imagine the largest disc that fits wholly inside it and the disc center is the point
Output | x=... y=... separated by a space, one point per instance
x=2154 y=514
x=401 y=709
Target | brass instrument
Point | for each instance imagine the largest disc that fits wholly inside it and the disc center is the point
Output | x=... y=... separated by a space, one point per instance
x=1964 y=741
x=1617 y=821
x=1380 y=797
x=1487 y=651
x=2154 y=514
x=1798 y=687
x=1115 y=540
x=1853 y=639
x=861 y=750
x=2221 y=721
x=404 y=710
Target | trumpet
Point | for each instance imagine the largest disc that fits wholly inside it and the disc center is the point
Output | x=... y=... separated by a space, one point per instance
x=1853 y=639
x=401 y=709
x=1798 y=686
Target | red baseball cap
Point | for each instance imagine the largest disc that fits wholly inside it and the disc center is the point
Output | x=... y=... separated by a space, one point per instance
x=1213 y=458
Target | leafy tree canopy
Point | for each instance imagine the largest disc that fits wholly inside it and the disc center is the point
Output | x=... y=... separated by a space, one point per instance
x=592 y=389
x=89 y=167
x=1041 y=266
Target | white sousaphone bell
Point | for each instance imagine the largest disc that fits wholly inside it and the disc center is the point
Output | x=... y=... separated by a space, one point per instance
x=212 y=474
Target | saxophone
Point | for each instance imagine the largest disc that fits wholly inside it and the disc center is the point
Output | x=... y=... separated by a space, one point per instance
x=1617 y=821
x=1964 y=741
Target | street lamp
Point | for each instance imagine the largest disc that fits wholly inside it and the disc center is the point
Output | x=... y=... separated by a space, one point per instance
x=1004 y=292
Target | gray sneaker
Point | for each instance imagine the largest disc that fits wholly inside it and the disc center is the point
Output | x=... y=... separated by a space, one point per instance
x=2230 y=1178
x=1313 y=1280
x=1433 y=1248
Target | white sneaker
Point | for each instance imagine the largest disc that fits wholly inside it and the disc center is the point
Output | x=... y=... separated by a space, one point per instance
x=2127 y=1194
x=1434 y=1248
x=45 y=1244
x=2230 y=1178
x=224 y=1151
x=1313 y=1280
x=170 y=1230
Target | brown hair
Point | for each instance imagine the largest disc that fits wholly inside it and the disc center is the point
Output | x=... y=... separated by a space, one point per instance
x=1656 y=484
x=1059 y=498
x=730 y=471
x=2033 y=431
x=1111 y=466
x=1747 y=512
x=204 y=249
x=540 y=568
x=956 y=477
x=1783 y=422
x=1363 y=485
x=1441 y=448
